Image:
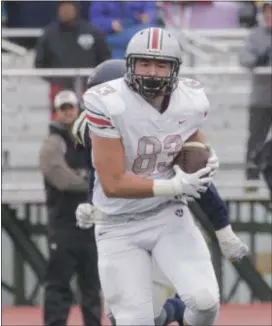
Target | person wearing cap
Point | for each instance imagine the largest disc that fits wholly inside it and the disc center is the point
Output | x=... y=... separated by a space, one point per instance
x=71 y=249
x=69 y=42
x=257 y=52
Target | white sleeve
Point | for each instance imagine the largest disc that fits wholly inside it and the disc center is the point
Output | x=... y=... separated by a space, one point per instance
x=203 y=105
x=198 y=118
x=98 y=119
x=205 y=108
x=202 y=110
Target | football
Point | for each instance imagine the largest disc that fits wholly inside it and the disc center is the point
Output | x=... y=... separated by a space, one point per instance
x=192 y=157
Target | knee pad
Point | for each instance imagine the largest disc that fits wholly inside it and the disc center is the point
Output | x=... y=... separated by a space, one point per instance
x=205 y=299
x=202 y=308
x=208 y=316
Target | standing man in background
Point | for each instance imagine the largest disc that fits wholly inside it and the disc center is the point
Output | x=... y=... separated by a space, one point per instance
x=258 y=53
x=72 y=250
x=70 y=42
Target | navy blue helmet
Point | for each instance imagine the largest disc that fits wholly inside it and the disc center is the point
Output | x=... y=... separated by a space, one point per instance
x=107 y=71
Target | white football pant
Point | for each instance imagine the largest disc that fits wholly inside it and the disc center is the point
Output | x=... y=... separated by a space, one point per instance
x=125 y=267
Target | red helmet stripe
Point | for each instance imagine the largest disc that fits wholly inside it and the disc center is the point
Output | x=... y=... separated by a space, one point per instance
x=155 y=39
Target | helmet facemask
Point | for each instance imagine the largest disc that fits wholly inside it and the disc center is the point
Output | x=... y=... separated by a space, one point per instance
x=152 y=86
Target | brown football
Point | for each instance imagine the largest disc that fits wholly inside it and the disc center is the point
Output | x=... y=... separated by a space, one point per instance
x=192 y=157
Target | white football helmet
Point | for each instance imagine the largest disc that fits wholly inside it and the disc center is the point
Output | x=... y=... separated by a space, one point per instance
x=153 y=43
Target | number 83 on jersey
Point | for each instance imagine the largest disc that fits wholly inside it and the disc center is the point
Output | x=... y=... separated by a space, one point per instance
x=155 y=156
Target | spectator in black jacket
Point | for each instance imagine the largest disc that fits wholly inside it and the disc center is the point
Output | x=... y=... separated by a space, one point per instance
x=72 y=250
x=248 y=14
x=70 y=42
x=257 y=52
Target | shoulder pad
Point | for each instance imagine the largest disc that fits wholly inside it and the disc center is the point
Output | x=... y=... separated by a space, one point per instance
x=109 y=95
x=104 y=89
x=191 y=83
x=195 y=90
x=108 y=88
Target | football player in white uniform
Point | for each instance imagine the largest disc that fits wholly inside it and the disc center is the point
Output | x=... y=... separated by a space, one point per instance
x=138 y=125
x=210 y=202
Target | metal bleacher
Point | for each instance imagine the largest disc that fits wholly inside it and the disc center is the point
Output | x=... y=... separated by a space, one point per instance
x=25 y=114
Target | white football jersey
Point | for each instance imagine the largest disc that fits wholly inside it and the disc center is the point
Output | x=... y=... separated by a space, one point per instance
x=151 y=139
